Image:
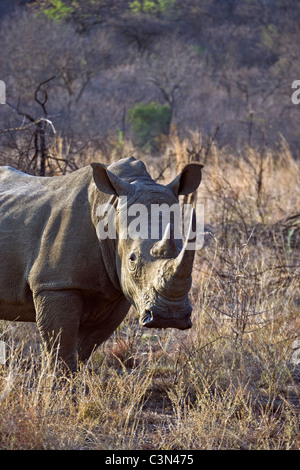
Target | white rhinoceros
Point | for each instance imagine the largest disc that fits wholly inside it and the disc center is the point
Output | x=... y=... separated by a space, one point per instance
x=56 y=271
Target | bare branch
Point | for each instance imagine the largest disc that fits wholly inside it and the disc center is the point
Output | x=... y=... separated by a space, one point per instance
x=24 y=128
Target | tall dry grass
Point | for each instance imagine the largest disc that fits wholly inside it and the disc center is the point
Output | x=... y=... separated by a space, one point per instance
x=229 y=382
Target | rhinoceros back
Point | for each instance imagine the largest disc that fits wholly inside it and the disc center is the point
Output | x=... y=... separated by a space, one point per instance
x=46 y=234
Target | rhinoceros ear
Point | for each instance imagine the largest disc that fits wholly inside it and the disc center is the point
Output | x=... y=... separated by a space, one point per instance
x=188 y=180
x=110 y=183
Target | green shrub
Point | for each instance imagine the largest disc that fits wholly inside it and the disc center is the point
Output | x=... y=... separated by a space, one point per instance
x=149 y=122
x=151 y=7
x=58 y=10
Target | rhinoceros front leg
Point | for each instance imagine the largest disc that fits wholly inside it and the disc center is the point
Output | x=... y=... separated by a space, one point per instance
x=58 y=315
x=90 y=336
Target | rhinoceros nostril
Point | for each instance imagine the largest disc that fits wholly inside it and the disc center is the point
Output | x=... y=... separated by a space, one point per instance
x=147 y=317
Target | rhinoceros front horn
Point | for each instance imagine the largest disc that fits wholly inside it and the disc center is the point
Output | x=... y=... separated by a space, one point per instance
x=184 y=261
x=177 y=272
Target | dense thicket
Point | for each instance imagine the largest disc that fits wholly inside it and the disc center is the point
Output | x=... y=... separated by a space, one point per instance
x=224 y=65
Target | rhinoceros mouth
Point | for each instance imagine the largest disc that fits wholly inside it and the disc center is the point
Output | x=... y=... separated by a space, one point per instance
x=150 y=320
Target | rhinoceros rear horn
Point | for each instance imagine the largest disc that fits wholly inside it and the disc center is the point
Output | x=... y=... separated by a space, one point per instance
x=110 y=183
x=165 y=248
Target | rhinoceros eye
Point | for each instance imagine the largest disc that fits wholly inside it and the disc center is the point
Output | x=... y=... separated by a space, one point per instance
x=132 y=261
x=132 y=257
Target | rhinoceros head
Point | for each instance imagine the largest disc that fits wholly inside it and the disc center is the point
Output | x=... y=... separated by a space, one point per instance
x=154 y=273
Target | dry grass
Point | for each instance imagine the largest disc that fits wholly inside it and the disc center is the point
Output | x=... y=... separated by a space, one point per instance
x=228 y=383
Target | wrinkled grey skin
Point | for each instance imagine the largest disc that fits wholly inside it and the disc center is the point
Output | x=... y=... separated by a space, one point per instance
x=54 y=270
